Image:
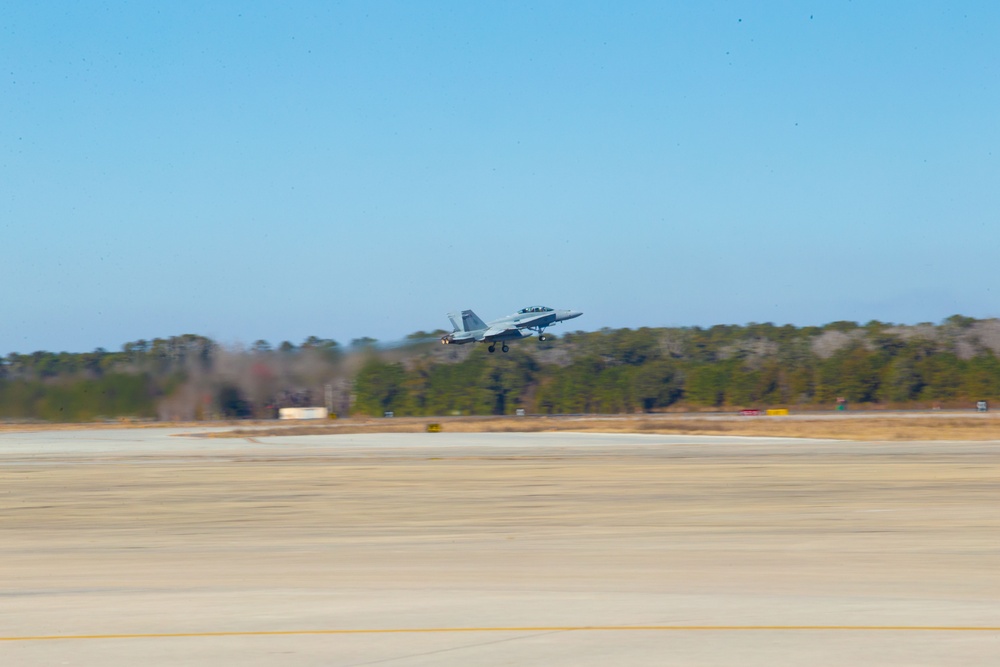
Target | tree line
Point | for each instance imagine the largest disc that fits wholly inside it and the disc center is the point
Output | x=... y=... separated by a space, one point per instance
x=757 y=365
x=952 y=363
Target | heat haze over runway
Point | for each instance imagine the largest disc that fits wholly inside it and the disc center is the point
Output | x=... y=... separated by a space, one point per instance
x=141 y=545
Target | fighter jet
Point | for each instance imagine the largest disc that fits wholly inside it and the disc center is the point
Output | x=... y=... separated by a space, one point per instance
x=525 y=322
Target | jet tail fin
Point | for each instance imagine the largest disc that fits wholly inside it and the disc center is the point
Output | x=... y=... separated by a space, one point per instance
x=469 y=321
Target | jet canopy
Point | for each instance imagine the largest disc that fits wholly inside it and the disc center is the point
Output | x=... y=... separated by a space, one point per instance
x=534 y=309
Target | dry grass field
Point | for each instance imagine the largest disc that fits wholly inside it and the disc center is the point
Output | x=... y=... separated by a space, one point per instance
x=858 y=427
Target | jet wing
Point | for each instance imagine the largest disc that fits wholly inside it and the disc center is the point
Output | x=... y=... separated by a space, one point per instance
x=494 y=332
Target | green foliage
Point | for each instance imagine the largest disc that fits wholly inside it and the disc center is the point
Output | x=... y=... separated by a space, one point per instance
x=960 y=321
x=327 y=348
x=706 y=385
x=506 y=379
x=902 y=381
x=79 y=400
x=657 y=384
x=379 y=386
x=981 y=378
x=456 y=388
x=842 y=326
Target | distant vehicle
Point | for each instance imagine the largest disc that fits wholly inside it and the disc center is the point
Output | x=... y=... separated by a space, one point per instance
x=525 y=322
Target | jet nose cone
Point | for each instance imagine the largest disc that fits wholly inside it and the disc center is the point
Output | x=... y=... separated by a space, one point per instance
x=570 y=314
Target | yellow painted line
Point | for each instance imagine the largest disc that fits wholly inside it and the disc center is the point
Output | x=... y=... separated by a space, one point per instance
x=550 y=628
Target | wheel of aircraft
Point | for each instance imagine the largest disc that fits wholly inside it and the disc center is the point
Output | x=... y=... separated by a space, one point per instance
x=492 y=348
x=541 y=337
x=505 y=348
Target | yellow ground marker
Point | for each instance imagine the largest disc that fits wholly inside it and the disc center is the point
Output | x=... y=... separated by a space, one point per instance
x=552 y=628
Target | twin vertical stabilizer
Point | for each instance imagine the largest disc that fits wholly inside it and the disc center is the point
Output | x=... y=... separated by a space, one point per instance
x=469 y=321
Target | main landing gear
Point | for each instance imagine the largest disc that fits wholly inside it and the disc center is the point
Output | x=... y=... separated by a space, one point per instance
x=493 y=348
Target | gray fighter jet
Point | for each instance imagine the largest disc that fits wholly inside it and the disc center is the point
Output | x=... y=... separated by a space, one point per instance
x=525 y=322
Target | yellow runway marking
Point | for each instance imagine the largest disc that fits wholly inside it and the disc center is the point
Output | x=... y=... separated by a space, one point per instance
x=553 y=628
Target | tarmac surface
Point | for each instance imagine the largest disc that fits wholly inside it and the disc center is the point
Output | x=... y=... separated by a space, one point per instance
x=170 y=547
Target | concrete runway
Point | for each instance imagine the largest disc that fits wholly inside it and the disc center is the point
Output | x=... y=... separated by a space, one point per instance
x=145 y=547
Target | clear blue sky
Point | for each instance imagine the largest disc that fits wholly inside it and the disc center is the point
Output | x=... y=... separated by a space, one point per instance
x=280 y=170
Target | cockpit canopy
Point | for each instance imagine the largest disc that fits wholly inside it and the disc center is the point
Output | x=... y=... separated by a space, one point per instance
x=534 y=309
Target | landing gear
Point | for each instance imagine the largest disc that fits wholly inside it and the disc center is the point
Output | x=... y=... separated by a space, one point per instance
x=505 y=348
x=541 y=337
x=492 y=348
